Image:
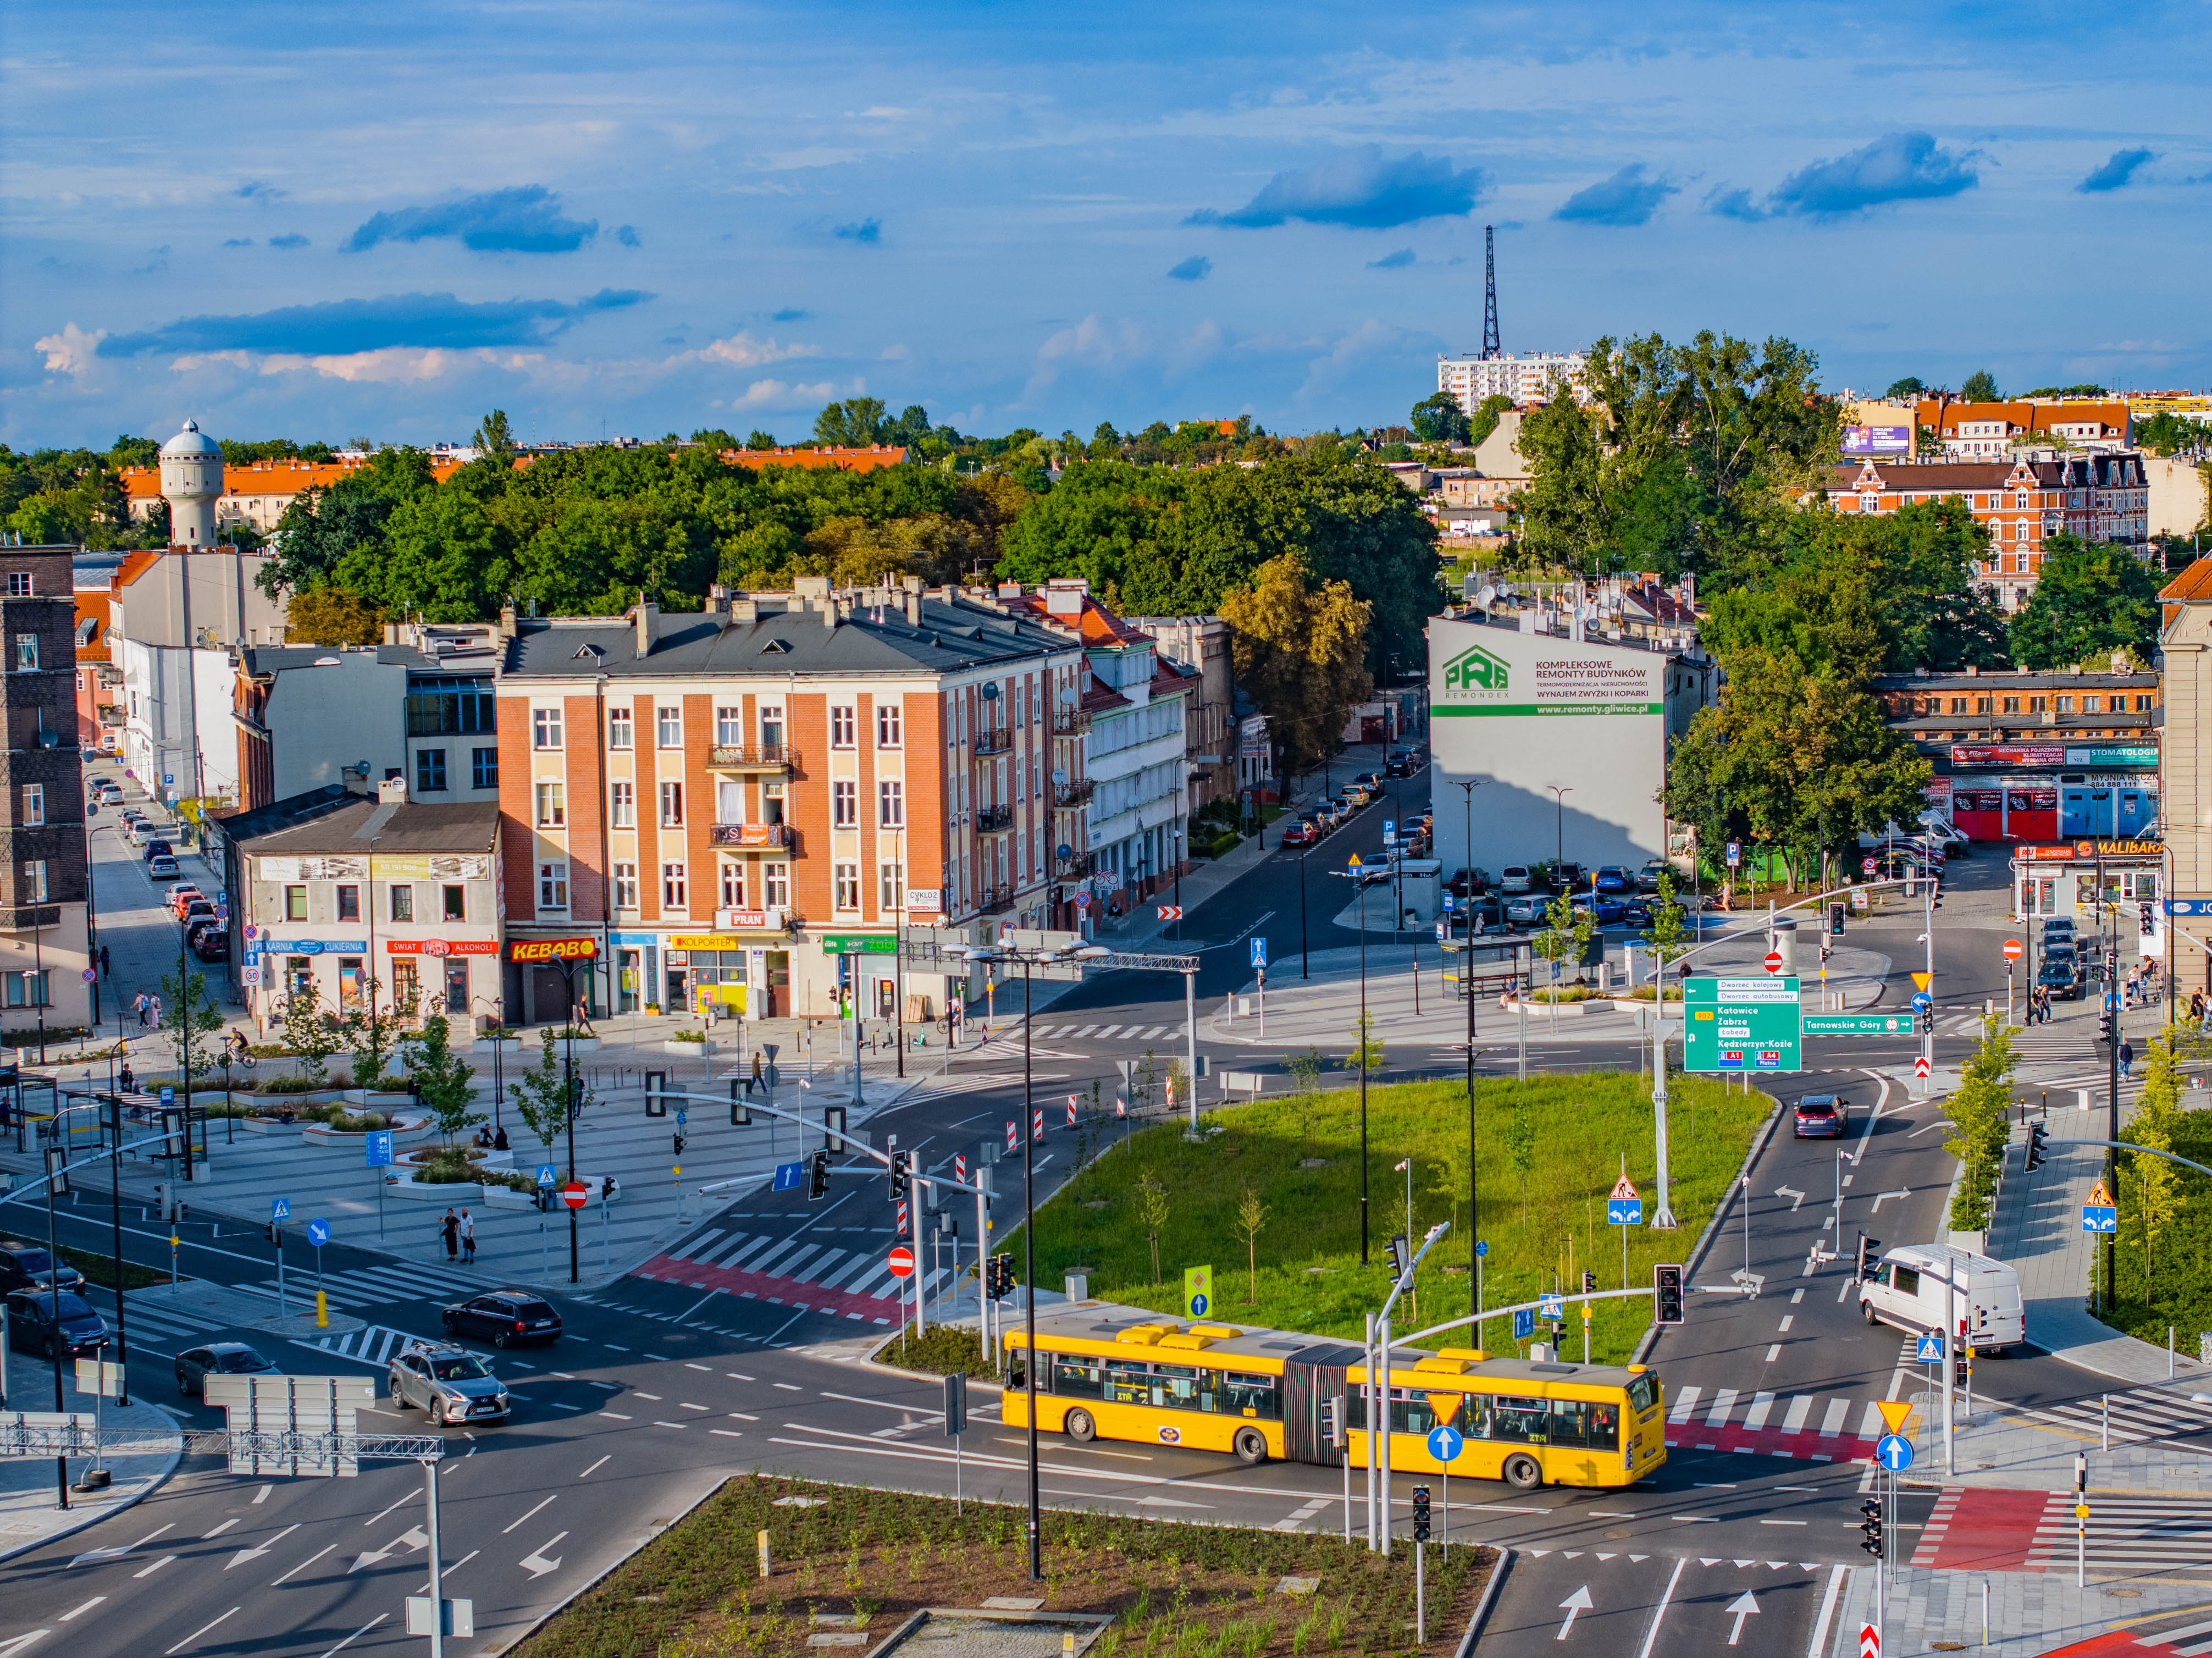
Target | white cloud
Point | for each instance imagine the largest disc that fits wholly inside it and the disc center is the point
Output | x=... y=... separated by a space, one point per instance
x=898 y=354
x=70 y=352
x=780 y=394
x=742 y=350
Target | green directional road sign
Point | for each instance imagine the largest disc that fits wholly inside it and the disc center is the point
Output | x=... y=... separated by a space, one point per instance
x=1742 y=1025
x=860 y=944
x=1859 y=1024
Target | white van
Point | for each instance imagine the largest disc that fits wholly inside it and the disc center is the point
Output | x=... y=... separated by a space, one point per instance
x=1908 y=1293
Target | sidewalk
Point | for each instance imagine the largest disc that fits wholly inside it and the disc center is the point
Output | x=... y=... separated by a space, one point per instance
x=30 y=1509
x=2030 y=1613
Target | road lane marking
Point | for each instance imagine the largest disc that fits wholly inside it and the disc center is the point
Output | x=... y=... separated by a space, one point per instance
x=1773 y=1352
x=257 y=1550
x=655 y=1397
x=356 y=1634
x=1782 y=1328
x=219 y=1530
x=1695 y=1519
x=262 y=1496
x=689 y=1366
x=596 y=1466
x=884 y=1404
x=618 y=1416
x=1659 y=1612
x=684 y=1405
x=790 y=1388
x=736 y=1376
x=744 y=1416
x=202 y=1630
x=149 y=1571
x=503 y=1530
x=727 y=1433
x=303 y=1565
x=118 y=1554
x=68 y=1616
x=1755 y=1417
x=380 y=1513
x=668 y=1425
x=1784 y=1523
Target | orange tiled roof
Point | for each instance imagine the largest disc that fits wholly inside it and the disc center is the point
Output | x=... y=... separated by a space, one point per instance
x=858 y=460
x=92 y=607
x=268 y=477
x=2031 y=417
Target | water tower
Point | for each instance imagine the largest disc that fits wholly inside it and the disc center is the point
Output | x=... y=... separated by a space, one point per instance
x=191 y=482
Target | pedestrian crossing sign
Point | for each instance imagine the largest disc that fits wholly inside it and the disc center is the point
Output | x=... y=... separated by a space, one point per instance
x=1930 y=1350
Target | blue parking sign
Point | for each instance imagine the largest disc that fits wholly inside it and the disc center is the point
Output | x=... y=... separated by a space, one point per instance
x=379 y=1146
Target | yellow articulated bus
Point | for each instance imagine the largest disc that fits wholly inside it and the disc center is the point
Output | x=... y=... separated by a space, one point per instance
x=1122 y=1373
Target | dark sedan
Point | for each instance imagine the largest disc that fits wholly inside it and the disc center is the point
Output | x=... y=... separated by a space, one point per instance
x=196 y=1364
x=51 y=1324
x=29 y=1267
x=1820 y=1116
x=505 y=1318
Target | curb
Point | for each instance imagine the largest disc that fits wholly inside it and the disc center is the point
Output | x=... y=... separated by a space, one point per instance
x=1482 y=1614
x=1712 y=1227
x=151 y=1486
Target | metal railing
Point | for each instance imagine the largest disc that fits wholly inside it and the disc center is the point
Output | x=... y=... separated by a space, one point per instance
x=749 y=835
x=990 y=820
x=1076 y=868
x=752 y=757
x=996 y=741
x=1071 y=722
x=1066 y=795
x=994 y=901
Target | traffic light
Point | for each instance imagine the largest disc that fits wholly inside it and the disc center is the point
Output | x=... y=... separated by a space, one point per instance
x=999 y=1277
x=899 y=1180
x=1869 y=1259
x=1589 y=1283
x=1420 y=1513
x=1836 y=919
x=1666 y=1294
x=2105 y=1023
x=678 y=1137
x=1397 y=1259
x=741 y=1115
x=1870 y=1526
x=272 y=1232
x=2144 y=920
x=817 y=1179
x=2037 y=1151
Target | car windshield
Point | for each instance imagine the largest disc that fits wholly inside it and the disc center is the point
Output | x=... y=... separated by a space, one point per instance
x=72 y=1307
x=458 y=1369
x=1815 y=1109
x=33 y=1260
x=245 y=1360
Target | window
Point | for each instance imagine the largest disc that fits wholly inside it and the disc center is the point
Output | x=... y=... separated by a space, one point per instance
x=2090 y=705
x=890 y=879
x=2065 y=705
x=19 y=584
x=672 y=887
x=2011 y=705
x=847 y=884
x=668 y=728
x=429 y=771
x=887 y=726
x=729 y=727
x=349 y=902
x=34 y=805
x=451 y=706
x=622 y=806
x=34 y=881
x=2142 y=705
x=672 y=805
x=626 y=886
x=1905 y=1281
x=403 y=902
x=772 y=798
x=552 y=886
x=552 y=805
x=27 y=651
x=890 y=802
x=775 y=885
x=841 y=725
x=845 y=804
x=29 y=989
x=546 y=728
x=2035 y=704
x=295 y=904
x=483 y=769
x=1981 y=705
x=772 y=726
x=622 y=732
x=733 y=885
x=457 y=902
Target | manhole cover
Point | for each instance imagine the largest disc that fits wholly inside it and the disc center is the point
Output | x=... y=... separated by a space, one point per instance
x=1620 y=1533
x=2125 y=1594
x=1946 y=1646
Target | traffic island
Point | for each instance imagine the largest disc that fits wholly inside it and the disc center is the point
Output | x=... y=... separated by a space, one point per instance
x=783 y=1568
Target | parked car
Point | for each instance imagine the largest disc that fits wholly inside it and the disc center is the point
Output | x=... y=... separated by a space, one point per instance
x=1637 y=912
x=1525 y=909
x=1567 y=875
x=108 y=793
x=2057 y=930
x=29 y=1267
x=1606 y=908
x=217 y=1358
x=447 y=1382
x=141 y=830
x=54 y=1322
x=180 y=894
x=158 y=848
x=1917 y=1281
x=1515 y=877
x=1647 y=878
x=1614 y=877
x=161 y=867
x=1820 y=1116
x=1301 y=832
x=505 y=1318
x=212 y=945
x=2061 y=977
x=197 y=910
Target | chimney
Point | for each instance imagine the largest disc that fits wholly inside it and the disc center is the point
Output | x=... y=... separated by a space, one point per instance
x=911 y=598
x=1064 y=596
x=830 y=608
x=745 y=610
x=647 y=616
x=506 y=620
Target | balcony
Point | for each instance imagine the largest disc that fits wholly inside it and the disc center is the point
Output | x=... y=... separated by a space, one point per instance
x=750 y=836
x=994 y=901
x=1070 y=722
x=1077 y=868
x=993 y=742
x=990 y=820
x=752 y=757
x=1067 y=795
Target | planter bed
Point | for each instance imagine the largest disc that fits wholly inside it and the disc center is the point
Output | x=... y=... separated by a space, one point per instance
x=1565 y=1010
x=689 y=1050
x=404 y=1131
x=496 y=1045
x=406 y=1186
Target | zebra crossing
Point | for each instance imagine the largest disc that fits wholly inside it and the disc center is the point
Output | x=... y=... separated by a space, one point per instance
x=371 y=1286
x=373 y=1343
x=2138 y=1416
x=977 y=1081
x=2130 y=1534
x=1771 y=1425
x=1107 y=1033
x=818 y=1265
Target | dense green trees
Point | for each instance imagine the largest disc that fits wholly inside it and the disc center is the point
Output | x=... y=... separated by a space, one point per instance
x=2091 y=598
x=1981 y=386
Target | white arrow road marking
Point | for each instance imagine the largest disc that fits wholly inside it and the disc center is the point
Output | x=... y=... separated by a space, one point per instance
x=118 y=1552
x=260 y=1549
x=1743 y=1606
x=1576 y=1604
x=1795 y=1196
x=411 y=1539
x=1904 y=1192
x=537 y=1564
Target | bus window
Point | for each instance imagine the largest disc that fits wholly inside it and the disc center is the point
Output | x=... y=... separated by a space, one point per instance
x=1602 y=1427
x=1078 y=1380
x=1519 y=1421
x=1566 y=1424
x=1642 y=1393
x=1176 y=1388
x=1413 y=1413
x=1249 y=1395
x=1129 y=1381
x=1473 y=1417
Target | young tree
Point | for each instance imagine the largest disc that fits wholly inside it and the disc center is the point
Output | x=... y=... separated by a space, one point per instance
x=2091 y=600
x=1251 y=1218
x=1980 y=1118
x=2154 y=1204
x=1521 y=1144
x=1566 y=933
x=1366 y=1049
x=543 y=1096
x=1152 y=1216
x=309 y=1032
x=372 y=1035
x=496 y=438
x=188 y=1014
x=1301 y=654
x=441 y=1078
x=1664 y=935
x=1981 y=386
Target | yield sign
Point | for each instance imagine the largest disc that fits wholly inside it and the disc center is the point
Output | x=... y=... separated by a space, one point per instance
x=1773 y=961
x=574 y=1194
x=1920 y=981
x=1893 y=1412
x=902 y=1261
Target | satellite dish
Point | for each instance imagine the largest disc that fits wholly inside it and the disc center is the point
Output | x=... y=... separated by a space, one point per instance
x=1060 y=776
x=362 y=766
x=1067 y=696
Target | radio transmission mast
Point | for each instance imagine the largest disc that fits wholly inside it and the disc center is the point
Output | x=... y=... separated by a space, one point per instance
x=1490 y=346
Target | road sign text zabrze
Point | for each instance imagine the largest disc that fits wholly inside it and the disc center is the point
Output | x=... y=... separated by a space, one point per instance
x=1742 y=1024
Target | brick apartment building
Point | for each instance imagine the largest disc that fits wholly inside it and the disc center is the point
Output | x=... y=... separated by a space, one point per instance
x=728 y=805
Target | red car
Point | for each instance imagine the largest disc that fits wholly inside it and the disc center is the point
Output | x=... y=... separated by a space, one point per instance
x=1301 y=834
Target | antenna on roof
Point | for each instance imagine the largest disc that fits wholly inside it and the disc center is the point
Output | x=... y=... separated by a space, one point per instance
x=1491 y=348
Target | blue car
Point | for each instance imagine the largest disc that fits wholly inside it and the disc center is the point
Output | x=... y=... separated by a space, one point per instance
x=1613 y=878
x=1606 y=909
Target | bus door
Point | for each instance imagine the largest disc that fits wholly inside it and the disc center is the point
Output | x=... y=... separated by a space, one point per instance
x=1315 y=1389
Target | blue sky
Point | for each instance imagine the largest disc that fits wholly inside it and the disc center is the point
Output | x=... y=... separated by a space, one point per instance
x=317 y=222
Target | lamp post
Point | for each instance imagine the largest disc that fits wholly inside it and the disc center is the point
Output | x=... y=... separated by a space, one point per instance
x=1361 y=879
x=1305 y=963
x=1467 y=788
x=1028 y=958
x=1559 y=794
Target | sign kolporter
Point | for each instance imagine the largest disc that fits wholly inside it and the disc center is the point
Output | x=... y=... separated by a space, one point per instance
x=1563 y=679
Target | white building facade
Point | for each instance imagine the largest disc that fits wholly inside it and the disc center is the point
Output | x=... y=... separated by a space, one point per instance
x=1527 y=379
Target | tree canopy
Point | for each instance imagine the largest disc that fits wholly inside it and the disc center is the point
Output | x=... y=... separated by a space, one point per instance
x=2090 y=599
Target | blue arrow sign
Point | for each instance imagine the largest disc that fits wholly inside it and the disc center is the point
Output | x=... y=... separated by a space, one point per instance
x=1258 y=952
x=2097 y=1218
x=1524 y=1323
x=379 y=1146
x=545 y=1174
x=1481 y=1248
x=1551 y=1307
x=1198 y=1303
x=319 y=1232
x=280 y=1208
x=787 y=1176
x=1923 y=1002
x=1930 y=1350
x=1624 y=1212
x=681 y=1118
x=1894 y=1453
x=1444 y=1442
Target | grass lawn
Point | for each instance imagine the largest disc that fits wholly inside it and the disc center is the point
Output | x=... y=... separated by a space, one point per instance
x=1298 y=1156
x=100 y=1269
x=1174 y=1590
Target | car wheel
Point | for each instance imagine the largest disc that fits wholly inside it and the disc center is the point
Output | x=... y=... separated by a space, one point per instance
x=1523 y=1473
x=1866 y=1308
x=499 y=1339
x=398 y=1396
x=183 y=1386
x=451 y=1323
x=1080 y=1428
x=1251 y=1446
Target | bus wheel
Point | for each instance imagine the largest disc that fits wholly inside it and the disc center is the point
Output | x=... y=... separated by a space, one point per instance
x=1523 y=1473
x=1080 y=1428
x=1251 y=1446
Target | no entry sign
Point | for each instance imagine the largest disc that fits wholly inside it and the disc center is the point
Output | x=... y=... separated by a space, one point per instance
x=1773 y=961
x=902 y=1261
x=574 y=1194
x=2013 y=949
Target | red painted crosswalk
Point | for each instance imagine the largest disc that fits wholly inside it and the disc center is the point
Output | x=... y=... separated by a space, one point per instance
x=766 y=1286
x=1977 y=1530
x=1808 y=1446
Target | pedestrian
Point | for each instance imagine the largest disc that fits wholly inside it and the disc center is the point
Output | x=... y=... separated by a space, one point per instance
x=451 y=1228
x=2196 y=1007
x=139 y=1007
x=468 y=1240
x=125 y=1080
x=154 y=1006
x=105 y=972
x=499 y=1140
x=753 y=1081
x=2127 y=1056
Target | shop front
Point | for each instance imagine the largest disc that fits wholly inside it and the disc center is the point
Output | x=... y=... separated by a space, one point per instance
x=555 y=979
x=2098 y=883
x=446 y=975
x=2049 y=792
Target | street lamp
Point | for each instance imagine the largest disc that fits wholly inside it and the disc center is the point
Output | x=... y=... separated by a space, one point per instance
x=1559 y=794
x=1467 y=788
x=1028 y=958
x=1361 y=879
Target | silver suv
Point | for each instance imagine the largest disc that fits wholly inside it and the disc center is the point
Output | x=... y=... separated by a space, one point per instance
x=449 y=1383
